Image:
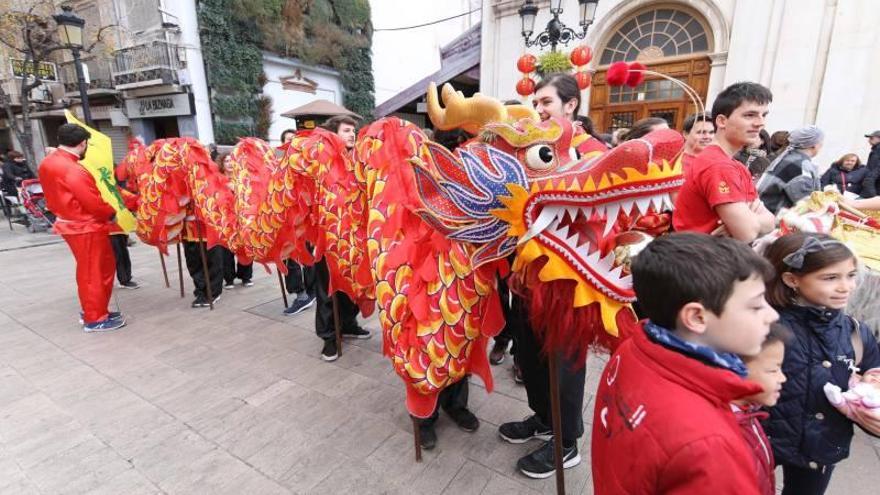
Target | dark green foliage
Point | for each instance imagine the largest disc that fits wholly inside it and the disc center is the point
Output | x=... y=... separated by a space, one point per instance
x=234 y=67
x=334 y=33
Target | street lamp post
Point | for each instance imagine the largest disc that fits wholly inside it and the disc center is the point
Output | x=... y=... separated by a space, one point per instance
x=70 y=31
x=556 y=31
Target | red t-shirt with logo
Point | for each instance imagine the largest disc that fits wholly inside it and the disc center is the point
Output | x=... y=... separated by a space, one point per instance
x=712 y=178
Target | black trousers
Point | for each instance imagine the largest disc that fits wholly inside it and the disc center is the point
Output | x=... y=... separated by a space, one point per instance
x=233 y=270
x=299 y=278
x=805 y=481
x=325 y=326
x=452 y=398
x=507 y=333
x=191 y=252
x=123 y=260
x=536 y=375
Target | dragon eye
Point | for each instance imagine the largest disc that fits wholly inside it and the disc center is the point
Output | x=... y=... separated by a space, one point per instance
x=540 y=157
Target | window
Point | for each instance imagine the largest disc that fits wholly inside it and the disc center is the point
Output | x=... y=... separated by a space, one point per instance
x=655 y=34
x=660 y=89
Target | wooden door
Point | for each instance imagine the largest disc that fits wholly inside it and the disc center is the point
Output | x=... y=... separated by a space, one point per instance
x=612 y=108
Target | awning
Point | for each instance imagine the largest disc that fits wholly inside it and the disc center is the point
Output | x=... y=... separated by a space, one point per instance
x=460 y=56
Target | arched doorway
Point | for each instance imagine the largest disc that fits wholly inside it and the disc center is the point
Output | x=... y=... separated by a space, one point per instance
x=671 y=40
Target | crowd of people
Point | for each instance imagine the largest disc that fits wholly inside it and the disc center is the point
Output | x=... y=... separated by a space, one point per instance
x=733 y=343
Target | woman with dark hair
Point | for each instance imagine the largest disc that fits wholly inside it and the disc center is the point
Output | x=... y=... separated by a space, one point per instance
x=846 y=174
x=644 y=126
x=558 y=95
x=754 y=156
x=778 y=142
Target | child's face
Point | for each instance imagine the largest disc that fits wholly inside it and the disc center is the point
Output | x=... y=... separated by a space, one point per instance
x=744 y=322
x=829 y=287
x=765 y=369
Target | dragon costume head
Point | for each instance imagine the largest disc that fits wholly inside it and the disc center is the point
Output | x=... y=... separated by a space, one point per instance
x=573 y=223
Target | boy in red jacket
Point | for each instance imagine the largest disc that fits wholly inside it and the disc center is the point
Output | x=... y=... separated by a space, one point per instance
x=663 y=421
x=765 y=369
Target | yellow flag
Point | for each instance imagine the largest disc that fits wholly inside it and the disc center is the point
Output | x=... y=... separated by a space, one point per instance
x=99 y=162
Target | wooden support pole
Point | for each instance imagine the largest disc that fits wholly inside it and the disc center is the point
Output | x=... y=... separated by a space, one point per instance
x=180 y=269
x=556 y=417
x=283 y=288
x=164 y=270
x=417 y=437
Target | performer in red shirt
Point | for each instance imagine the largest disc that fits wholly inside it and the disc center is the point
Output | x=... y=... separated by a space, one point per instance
x=698 y=131
x=718 y=195
x=84 y=221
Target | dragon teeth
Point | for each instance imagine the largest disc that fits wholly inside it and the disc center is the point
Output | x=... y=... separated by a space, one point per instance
x=584 y=251
x=545 y=218
x=612 y=211
x=644 y=205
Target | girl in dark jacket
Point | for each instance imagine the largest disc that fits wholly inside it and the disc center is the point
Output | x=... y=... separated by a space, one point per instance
x=815 y=276
x=846 y=174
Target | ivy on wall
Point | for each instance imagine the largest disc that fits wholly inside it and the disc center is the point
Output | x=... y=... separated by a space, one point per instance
x=334 y=33
x=234 y=67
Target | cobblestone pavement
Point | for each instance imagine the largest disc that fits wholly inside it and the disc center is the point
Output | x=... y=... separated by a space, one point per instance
x=234 y=400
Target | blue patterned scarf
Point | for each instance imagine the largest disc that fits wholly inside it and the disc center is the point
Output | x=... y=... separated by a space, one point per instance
x=706 y=354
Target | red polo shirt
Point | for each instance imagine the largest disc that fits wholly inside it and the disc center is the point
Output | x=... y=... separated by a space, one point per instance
x=712 y=178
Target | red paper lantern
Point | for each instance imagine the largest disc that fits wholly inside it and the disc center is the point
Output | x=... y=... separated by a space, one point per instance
x=525 y=86
x=635 y=75
x=581 y=55
x=527 y=63
x=617 y=73
x=584 y=79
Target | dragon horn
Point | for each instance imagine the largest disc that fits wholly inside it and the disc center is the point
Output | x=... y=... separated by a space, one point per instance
x=468 y=113
x=435 y=112
x=518 y=112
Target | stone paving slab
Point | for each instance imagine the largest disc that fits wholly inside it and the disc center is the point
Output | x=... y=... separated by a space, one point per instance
x=236 y=400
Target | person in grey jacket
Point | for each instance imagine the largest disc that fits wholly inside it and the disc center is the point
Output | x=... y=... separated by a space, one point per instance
x=792 y=175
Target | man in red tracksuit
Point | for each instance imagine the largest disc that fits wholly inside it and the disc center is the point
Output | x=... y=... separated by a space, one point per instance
x=84 y=221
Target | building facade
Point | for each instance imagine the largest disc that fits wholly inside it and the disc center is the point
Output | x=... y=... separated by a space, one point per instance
x=291 y=84
x=145 y=79
x=819 y=58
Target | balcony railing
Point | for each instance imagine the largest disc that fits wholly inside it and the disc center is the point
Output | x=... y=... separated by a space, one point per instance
x=99 y=70
x=154 y=62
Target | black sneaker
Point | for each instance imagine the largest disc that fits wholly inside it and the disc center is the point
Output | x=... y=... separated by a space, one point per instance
x=302 y=302
x=329 y=352
x=427 y=436
x=496 y=357
x=464 y=419
x=540 y=463
x=357 y=333
x=229 y=285
x=200 y=302
x=247 y=283
x=523 y=431
x=131 y=284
